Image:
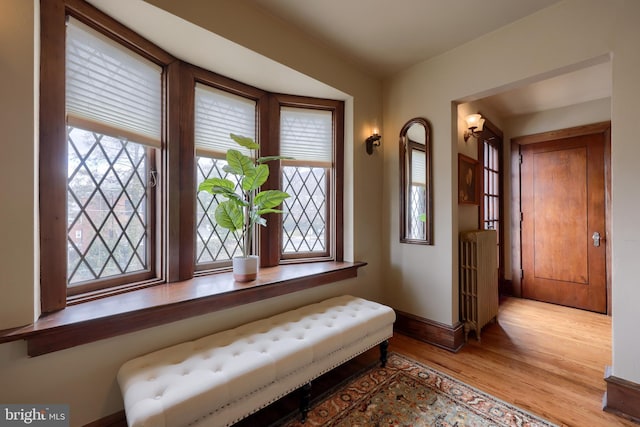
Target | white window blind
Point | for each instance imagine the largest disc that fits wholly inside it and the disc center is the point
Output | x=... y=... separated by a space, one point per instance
x=307 y=135
x=111 y=89
x=418 y=167
x=218 y=114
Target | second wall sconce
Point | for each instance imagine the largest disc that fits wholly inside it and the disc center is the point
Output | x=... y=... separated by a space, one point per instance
x=475 y=124
x=372 y=141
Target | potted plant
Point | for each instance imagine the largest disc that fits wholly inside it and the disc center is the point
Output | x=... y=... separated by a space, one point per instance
x=242 y=210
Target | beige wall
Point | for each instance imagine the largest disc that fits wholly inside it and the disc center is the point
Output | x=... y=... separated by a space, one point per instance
x=595 y=111
x=18 y=106
x=625 y=151
x=84 y=376
x=569 y=35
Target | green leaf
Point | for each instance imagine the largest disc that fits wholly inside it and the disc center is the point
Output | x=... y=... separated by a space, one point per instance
x=245 y=141
x=422 y=217
x=229 y=216
x=257 y=219
x=216 y=185
x=238 y=163
x=255 y=178
x=271 y=158
x=225 y=192
x=229 y=169
x=266 y=211
x=237 y=199
x=269 y=199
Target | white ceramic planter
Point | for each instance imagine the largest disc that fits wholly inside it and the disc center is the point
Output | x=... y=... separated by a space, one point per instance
x=245 y=269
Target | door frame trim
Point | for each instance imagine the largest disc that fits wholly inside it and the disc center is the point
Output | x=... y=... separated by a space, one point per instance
x=516 y=241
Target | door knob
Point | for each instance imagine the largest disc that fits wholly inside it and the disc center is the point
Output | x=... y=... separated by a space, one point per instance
x=596 y=239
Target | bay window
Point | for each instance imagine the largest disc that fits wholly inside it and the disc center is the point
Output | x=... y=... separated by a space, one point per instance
x=127 y=131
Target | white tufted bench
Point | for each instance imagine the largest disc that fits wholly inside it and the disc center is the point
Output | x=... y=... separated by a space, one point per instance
x=220 y=379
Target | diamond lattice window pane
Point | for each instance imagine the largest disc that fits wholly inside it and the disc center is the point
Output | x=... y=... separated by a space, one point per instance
x=106 y=207
x=417 y=229
x=305 y=212
x=213 y=243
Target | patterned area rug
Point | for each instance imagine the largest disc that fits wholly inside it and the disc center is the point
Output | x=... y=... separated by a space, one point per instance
x=407 y=393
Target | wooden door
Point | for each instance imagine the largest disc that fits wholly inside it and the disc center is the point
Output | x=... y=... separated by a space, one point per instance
x=563 y=207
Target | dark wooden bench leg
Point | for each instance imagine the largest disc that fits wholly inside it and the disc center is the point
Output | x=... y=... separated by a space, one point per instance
x=305 y=401
x=384 y=349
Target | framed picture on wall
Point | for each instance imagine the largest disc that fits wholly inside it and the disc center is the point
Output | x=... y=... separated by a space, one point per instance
x=468 y=181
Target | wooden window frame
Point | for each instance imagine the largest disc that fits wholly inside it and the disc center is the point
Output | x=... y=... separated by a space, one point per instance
x=492 y=132
x=53 y=146
x=335 y=183
x=208 y=78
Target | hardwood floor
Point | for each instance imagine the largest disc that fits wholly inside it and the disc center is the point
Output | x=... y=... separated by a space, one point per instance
x=544 y=358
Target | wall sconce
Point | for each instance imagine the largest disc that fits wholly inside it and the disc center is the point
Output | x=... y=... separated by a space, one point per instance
x=475 y=124
x=373 y=141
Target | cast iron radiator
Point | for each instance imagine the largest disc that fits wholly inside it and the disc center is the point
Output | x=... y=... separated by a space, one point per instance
x=478 y=279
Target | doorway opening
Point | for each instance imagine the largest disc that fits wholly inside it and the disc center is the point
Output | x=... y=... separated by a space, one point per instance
x=561 y=193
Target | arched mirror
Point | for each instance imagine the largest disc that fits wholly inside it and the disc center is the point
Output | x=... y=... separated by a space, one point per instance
x=416 y=213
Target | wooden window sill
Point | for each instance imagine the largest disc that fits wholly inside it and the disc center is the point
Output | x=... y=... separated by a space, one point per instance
x=157 y=305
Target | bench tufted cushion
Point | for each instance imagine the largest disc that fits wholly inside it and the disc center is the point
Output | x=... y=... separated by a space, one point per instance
x=221 y=378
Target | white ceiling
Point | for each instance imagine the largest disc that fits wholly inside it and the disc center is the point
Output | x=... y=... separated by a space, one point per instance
x=583 y=85
x=380 y=36
x=385 y=36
